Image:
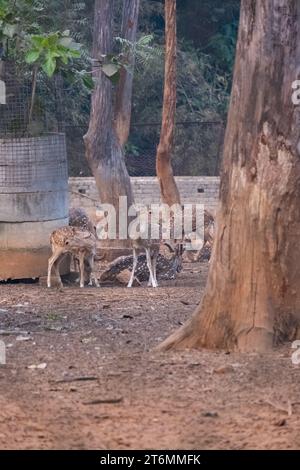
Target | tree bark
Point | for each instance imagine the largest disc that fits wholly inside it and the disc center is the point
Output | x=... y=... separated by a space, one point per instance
x=124 y=90
x=252 y=297
x=103 y=150
x=169 y=191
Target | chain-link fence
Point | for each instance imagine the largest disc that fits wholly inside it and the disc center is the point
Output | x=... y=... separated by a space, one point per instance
x=197 y=150
x=32 y=104
x=33 y=162
x=37 y=106
x=32 y=145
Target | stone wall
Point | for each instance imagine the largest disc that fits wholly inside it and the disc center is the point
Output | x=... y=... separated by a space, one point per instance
x=197 y=189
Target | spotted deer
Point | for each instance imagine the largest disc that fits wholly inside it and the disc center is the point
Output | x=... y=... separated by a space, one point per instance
x=152 y=251
x=169 y=264
x=152 y=246
x=76 y=241
x=79 y=218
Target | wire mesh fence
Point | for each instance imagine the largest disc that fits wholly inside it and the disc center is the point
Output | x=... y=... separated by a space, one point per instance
x=32 y=145
x=197 y=150
x=37 y=107
x=33 y=103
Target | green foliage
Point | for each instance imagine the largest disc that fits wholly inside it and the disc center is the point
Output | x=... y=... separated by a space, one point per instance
x=206 y=48
x=51 y=51
x=207 y=31
x=211 y=26
x=142 y=51
x=202 y=95
x=30 y=38
x=222 y=46
x=7 y=29
x=111 y=66
x=24 y=30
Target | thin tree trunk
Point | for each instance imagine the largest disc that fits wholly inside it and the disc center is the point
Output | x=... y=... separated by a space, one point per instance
x=124 y=90
x=169 y=191
x=33 y=93
x=252 y=297
x=1 y=69
x=103 y=150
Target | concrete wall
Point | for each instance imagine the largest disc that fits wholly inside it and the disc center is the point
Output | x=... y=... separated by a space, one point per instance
x=197 y=189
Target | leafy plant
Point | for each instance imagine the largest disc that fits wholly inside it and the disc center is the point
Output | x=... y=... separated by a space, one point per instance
x=142 y=51
x=51 y=51
x=223 y=45
x=26 y=40
x=7 y=29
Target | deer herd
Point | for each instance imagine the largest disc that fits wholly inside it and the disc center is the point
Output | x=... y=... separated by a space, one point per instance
x=79 y=240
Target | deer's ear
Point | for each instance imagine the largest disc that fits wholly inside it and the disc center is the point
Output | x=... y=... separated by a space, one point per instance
x=170 y=248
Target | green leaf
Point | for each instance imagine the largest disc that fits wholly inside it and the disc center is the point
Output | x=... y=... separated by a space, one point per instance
x=115 y=78
x=52 y=39
x=74 y=54
x=145 y=40
x=64 y=59
x=66 y=42
x=37 y=41
x=49 y=66
x=110 y=69
x=9 y=30
x=88 y=81
x=32 y=56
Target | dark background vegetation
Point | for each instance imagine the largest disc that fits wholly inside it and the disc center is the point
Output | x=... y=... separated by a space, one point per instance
x=207 y=33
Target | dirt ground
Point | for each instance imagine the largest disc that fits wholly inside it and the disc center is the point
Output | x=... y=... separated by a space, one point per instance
x=81 y=373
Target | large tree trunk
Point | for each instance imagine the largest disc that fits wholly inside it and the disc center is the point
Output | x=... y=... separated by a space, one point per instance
x=124 y=90
x=169 y=191
x=252 y=298
x=104 y=151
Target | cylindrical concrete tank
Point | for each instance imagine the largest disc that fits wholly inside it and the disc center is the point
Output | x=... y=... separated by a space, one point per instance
x=33 y=202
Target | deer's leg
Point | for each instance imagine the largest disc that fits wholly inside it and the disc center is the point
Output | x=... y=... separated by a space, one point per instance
x=91 y=262
x=149 y=280
x=56 y=255
x=74 y=261
x=149 y=264
x=81 y=269
x=56 y=267
x=135 y=262
x=154 y=264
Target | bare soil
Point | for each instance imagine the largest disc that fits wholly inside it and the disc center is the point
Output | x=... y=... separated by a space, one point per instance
x=100 y=385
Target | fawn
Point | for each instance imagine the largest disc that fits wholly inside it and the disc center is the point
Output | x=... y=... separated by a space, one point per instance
x=77 y=242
